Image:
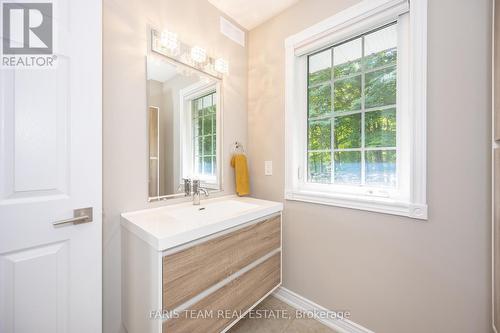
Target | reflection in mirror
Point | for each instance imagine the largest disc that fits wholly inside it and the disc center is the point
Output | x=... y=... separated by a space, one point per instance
x=184 y=115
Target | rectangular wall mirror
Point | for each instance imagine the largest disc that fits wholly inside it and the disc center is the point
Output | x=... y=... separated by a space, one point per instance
x=184 y=127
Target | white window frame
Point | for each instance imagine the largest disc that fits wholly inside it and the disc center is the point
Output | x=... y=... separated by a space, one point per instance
x=410 y=197
x=187 y=95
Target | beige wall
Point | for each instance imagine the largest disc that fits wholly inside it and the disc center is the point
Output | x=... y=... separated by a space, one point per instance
x=394 y=274
x=124 y=111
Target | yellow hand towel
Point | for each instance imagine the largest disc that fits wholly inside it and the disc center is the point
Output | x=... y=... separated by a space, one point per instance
x=239 y=163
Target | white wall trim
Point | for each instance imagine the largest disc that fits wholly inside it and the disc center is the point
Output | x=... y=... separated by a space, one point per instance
x=494 y=145
x=301 y=303
x=341 y=24
x=410 y=199
x=418 y=102
x=373 y=204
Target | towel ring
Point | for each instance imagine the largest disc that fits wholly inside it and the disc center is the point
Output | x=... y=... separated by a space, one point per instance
x=238 y=148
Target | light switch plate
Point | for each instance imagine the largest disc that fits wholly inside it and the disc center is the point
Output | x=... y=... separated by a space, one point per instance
x=268 y=168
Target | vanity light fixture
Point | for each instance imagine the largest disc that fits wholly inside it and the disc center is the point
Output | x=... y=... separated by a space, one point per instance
x=167 y=44
x=198 y=54
x=169 y=40
x=221 y=66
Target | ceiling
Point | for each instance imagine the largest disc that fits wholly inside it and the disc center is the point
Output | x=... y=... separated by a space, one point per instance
x=251 y=13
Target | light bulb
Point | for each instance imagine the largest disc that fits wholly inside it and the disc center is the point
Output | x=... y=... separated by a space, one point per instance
x=198 y=54
x=221 y=66
x=169 y=40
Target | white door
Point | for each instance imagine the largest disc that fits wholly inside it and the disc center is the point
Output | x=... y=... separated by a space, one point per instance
x=50 y=164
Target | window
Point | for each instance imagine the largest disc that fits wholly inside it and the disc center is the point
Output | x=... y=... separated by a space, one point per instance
x=355 y=109
x=352 y=111
x=204 y=136
x=200 y=126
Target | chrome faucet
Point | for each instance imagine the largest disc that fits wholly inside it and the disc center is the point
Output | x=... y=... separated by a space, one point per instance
x=197 y=189
x=186 y=186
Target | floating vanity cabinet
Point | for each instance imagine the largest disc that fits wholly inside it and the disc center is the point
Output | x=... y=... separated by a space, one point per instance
x=194 y=269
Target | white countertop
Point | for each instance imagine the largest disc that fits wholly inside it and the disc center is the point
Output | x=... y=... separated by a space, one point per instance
x=170 y=226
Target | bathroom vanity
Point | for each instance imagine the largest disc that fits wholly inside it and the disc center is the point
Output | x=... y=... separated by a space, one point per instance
x=189 y=268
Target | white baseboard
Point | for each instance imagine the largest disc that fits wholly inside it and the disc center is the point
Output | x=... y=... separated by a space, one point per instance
x=301 y=303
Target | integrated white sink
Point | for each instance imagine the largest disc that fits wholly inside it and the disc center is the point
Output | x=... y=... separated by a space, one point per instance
x=169 y=226
x=210 y=211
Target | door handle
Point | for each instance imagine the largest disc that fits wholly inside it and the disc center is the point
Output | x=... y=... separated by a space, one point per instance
x=81 y=215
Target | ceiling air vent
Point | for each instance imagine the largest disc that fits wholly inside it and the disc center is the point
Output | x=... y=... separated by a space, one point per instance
x=232 y=32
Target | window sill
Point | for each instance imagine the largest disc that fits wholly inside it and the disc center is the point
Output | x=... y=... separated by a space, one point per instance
x=372 y=204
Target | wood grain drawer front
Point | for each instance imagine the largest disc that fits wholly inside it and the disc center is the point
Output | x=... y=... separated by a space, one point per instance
x=193 y=270
x=234 y=298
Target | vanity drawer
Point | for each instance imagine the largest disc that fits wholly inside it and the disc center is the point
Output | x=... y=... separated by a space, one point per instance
x=188 y=272
x=235 y=297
